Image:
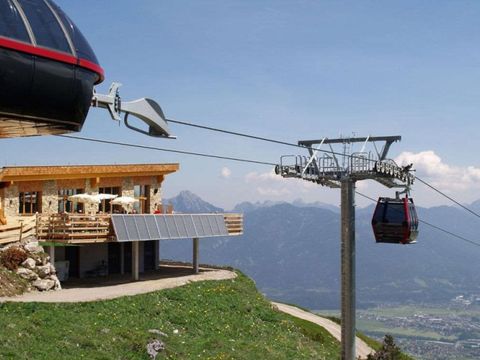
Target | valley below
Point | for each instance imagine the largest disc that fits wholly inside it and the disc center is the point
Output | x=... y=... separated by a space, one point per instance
x=426 y=295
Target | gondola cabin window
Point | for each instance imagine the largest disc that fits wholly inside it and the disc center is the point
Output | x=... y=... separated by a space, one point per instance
x=394 y=213
x=65 y=205
x=12 y=25
x=30 y=202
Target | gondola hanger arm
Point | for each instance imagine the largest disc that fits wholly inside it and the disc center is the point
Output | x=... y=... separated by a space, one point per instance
x=146 y=110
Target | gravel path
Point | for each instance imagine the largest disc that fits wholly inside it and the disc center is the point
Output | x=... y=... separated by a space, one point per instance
x=82 y=294
x=362 y=348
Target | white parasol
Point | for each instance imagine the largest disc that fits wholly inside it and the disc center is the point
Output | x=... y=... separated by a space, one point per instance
x=84 y=198
x=87 y=199
x=101 y=197
x=125 y=201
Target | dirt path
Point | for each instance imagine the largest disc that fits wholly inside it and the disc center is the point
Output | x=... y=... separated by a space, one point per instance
x=362 y=348
x=83 y=294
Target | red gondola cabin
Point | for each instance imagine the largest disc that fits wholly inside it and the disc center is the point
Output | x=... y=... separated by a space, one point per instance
x=395 y=221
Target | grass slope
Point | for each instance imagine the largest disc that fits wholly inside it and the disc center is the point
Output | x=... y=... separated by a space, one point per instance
x=11 y=284
x=208 y=320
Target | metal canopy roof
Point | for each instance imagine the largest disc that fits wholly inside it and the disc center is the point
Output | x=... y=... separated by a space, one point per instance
x=136 y=227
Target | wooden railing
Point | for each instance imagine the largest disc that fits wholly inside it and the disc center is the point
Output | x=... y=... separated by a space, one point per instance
x=17 y=229
x=74 y=228
x=234 y=223
x=79 y=228
x=3 y=219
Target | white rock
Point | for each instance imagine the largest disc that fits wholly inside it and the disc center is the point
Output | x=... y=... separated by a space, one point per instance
x=44 y=285
x=43 y=271
x=33 y=247
x=29 y=264
x=27 y=274
x=45 y=260
x=57 y=286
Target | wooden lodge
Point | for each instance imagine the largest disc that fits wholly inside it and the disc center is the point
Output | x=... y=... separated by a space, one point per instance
x=98 y=238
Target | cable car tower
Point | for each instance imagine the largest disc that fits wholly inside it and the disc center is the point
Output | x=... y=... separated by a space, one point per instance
x=342 y=169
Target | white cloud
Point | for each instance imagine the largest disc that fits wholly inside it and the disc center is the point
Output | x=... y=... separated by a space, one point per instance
x=254 y=177
x=270 y=185
x=447 y=177
x=225 y=173
x=266 y=191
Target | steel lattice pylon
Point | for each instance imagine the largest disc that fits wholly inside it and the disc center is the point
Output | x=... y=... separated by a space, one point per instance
x=342 y=169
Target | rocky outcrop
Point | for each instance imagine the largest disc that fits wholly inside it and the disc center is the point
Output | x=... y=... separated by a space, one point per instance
x=37 y=268
x=27 y=274
x=44 y=284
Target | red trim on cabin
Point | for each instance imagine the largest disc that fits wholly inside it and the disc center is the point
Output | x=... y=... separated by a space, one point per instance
x=93 y=67
x=52 y=55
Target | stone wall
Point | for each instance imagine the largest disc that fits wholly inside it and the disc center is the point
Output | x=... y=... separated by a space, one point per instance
x=127 y=187
x=50 y=197
x=155 y=195
x=50 y=189
x=93 y=190
x=11 y=201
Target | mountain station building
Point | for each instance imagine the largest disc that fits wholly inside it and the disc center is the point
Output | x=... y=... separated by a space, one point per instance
x=98 y=238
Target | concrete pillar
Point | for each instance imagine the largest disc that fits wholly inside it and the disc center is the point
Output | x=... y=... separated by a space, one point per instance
x=195 y=256
x=135 y=260
x=122 y=258
x=51 y=253
x=157 y=254
x=348 y=269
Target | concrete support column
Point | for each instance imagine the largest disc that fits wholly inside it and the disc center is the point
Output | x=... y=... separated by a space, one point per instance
x=135 y=260
x=122 y=258
x=157 y=254
x=51 y=253
x=195 y=256
x=348 y=268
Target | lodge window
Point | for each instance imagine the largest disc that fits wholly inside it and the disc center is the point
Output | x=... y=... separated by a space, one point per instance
x=142 y=193
x=30 y=202
x=105 y=204
x=65 y=205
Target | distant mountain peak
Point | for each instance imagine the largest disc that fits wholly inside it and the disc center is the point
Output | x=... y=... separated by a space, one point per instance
x=248 y=206
x=188 y=202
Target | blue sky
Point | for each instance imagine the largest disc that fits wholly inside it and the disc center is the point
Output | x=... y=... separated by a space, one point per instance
x=287 y=70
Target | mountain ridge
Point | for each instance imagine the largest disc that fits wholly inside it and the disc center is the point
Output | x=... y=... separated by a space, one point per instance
x=293 y=253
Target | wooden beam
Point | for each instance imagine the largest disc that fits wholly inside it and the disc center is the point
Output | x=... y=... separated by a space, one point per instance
x=28 y=173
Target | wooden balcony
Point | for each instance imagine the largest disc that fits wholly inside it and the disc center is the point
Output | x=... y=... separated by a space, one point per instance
x=234 y=223
x=81 y=228
x=78 y=228
x=74 y=228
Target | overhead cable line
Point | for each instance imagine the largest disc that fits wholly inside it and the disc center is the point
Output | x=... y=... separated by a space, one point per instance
x=448 y=197
x=108 y=142
x=274 y=141
x=166 y=150
x=431 y=225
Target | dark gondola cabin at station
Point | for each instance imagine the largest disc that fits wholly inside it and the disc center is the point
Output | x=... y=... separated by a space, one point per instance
x=395 y=221
x=47 y=70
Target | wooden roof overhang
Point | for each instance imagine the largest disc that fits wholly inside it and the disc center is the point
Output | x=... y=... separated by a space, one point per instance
x=36 y=173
